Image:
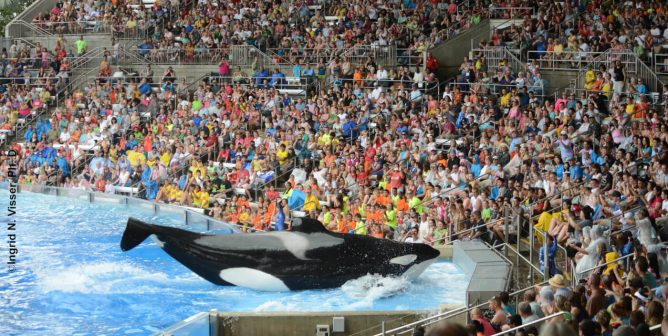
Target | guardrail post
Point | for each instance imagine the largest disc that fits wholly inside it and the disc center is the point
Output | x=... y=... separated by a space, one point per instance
x=213 y=322
x=531 y=242
x=382 y=328
x=546 y=259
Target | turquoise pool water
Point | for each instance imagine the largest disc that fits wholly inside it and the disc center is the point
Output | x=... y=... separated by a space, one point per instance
x=73 y=279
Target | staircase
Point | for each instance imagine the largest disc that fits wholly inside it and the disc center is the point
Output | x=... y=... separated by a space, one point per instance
x=633 y=65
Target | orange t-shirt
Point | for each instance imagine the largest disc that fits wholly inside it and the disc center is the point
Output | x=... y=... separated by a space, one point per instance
x=402 y=205
x=269 y=215
x=383 y=200
x=375 y=216
x=377 y=234
x=256 y=221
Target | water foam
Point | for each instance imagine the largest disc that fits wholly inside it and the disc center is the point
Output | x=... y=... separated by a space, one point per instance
x=374 y=286
x=102 y=278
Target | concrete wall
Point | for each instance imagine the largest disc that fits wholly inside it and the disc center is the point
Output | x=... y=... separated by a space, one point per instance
x=298 y=324
x=451 y=53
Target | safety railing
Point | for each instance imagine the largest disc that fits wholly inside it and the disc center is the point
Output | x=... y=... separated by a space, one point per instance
x=652 y=80
x=21 y=28
x=633 y=66
x=248 y=56
x=364 y=85
x=511 y=12
x=281 y=173
x=538 y=321
x=311 y=56
x=489 y=87
x=564 y=60
x=495 y=56
x=653 y=98
x=62 y=86
x=30 y=81
x=385 y=55
x=182 y=56
x=357 y=55
x=75 y=27
x=138 y=28
x=449 y=314
x=660 y=62
x=586 y=271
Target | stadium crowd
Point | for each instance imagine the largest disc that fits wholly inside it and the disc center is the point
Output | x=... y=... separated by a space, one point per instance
x=389 y=153
x=120 y=17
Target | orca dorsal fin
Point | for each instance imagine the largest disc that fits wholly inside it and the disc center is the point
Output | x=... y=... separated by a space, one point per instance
x=307 y=225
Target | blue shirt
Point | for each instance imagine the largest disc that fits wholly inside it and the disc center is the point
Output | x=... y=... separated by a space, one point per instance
x=280 y=220
x=260 y=76
x=276 y=78
x=144 y=88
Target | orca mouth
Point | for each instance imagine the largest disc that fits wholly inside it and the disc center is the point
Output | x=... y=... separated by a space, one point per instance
x=404 y=260
x=416 y=269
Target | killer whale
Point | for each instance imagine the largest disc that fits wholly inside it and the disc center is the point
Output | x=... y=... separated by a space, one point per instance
x=308 y=257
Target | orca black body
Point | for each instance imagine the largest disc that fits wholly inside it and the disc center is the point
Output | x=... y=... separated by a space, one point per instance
x=308 y=257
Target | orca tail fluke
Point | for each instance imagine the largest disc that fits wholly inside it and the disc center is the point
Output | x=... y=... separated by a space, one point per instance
x=136 y=232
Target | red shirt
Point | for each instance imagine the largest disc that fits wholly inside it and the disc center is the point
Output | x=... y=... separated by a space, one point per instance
x=395 y=179
x=488 y=329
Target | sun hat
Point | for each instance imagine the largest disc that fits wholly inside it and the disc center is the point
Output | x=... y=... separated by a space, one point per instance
x=557 y=281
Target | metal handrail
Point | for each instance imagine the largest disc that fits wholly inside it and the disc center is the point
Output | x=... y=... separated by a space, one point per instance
x=547 y=198
x=521 y=256
x=607 y=263
x=493 y=12
x=540 y=320
x=451 y=313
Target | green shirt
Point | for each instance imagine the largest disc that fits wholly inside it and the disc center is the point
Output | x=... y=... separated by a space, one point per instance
x=486 y=213
x=415 y=203
x=360 y=229
x=439 y=236
x=391 y=218
x=81 y=46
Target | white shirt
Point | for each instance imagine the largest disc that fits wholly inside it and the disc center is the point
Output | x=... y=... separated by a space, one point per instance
x=410 y=239
x=381 y=74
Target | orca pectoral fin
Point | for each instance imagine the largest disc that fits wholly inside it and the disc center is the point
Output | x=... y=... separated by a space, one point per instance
x=136 y=232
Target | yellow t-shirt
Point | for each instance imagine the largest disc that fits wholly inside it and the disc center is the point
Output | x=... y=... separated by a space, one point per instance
x=282 y=156
x=311 y=203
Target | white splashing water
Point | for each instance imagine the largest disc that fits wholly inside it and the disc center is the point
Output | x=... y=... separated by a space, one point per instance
x=373 y=286
x=103 y=278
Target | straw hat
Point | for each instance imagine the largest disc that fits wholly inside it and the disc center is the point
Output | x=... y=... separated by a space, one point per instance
x=557 y=281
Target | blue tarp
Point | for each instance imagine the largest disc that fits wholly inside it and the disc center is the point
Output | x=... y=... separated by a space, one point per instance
x=296 y=200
